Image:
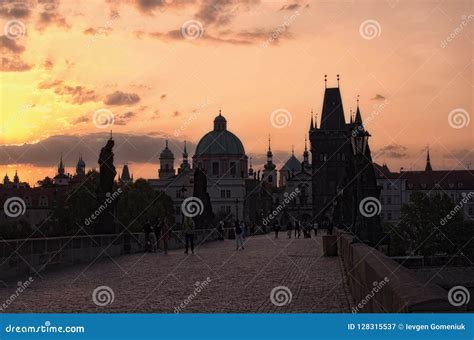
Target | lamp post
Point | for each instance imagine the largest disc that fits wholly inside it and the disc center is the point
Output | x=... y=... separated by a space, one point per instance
x=359 y=141
x=182 y=190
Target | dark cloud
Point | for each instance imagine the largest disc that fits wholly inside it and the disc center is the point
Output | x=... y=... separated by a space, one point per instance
x=48 y=64
x=378 y=97
x=14 y=64
x=14 y=9
x=163 y=96
x=221 y=12
x=392 y=151
x=227 y=36
x=50 y=16
x=81 y=119
x=176 y=113
x=75 y=94
x=124 y=118
x=464 y=156
x=128 y=148
x=97 y=31
x=290 y=7
x=150 y=6
x=8 y=45
x=121 y=98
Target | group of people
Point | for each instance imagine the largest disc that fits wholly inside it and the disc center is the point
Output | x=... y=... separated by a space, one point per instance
x=161 y=231
x=298 y=228
x=154 y=233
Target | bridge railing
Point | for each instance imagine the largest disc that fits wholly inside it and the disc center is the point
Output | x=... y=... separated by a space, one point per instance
x=25 y=257
x=379 y=284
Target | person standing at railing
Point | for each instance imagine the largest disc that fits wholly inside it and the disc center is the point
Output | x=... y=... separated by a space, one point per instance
x=189 y=234
x=158 y=227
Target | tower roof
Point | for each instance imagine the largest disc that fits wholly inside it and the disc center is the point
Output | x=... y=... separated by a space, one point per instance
x=332 y=116
x=125 y=173
x=166 y=153
x=428 y=161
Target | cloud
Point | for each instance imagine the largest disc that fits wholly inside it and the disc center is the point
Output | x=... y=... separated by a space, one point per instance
x=48 y=64
x=464 y=156
x=14 y=64
x=14 y=9
x=163 y=96
x=124 y=118
x=150 y=6
x=128 y=148
x=221 y=12
x=392 y=151
x=290 y=7
x=10 y=45
x=378 y=97
x=81 y=119
x=50 y=16
x=75 y=94
x=121 y=98
x=227 y=36
x=176 y=113
x=97 y=31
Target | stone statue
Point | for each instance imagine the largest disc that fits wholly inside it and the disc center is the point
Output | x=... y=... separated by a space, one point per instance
x=205 y=219
x=105 y=221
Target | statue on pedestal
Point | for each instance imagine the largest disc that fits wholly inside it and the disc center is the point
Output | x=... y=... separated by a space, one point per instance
x=205 y=219
x=105 y=221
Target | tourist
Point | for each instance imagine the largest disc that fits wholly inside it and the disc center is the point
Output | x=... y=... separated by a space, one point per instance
x=297 y=229
x=165 y=233
x=189 y=234
x=147 y=230
x=157 y=228
x=289 y=229
x=244 y=229
x=315 y=227
x=220 y=230
x=239 y=241
x=276 y=228
x=151 y=236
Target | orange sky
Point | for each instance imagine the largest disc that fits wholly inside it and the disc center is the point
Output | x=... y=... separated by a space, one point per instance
x=412 y=66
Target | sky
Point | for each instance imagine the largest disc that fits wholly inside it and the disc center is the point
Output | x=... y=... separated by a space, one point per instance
x=154 y=69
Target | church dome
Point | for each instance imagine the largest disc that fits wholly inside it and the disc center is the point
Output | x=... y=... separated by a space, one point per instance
x=220 y=141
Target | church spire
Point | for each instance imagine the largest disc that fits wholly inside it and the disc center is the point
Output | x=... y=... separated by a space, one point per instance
x=428 y=161
x=311 y=125
x=358 y=117
x=61 y=166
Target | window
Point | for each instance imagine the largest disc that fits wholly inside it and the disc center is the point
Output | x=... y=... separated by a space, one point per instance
x=270 y=179
x=43 y=201
x=227 y=193
x=389 y=215
x=471 y=210
x=389 y=200
x=178 y=193
x=232 y=168
x=222 y=193
x=215 y=168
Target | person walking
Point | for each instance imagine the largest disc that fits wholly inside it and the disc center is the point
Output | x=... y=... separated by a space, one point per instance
x=150 y=238
x=239 y=241
x=289 y=229
x=297 y=229
x=165 y=233
x=276 y=228
x=189 y=234
x=244 y=230
x=220 y=230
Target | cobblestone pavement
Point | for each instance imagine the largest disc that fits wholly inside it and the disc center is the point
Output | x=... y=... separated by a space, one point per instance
x=239 y=281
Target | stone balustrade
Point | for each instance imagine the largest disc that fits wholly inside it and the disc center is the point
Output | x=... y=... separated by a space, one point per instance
x=379 y=284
